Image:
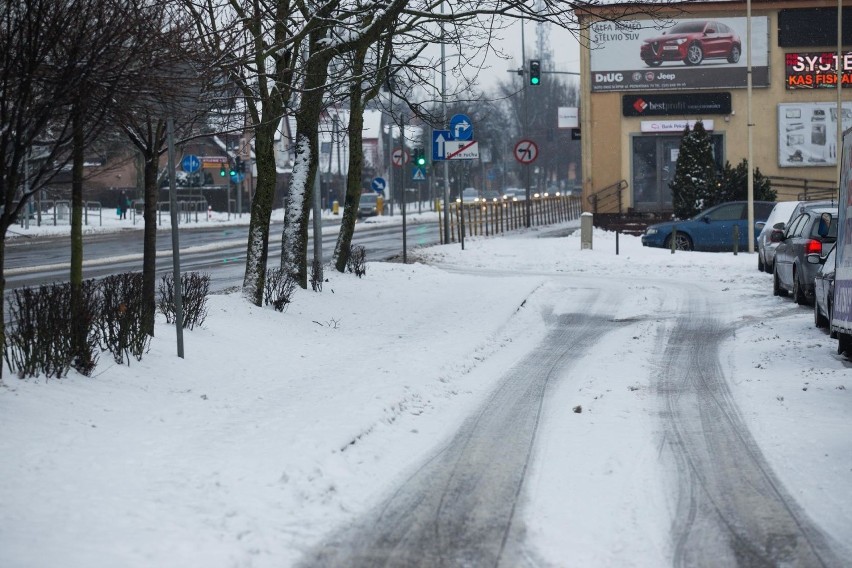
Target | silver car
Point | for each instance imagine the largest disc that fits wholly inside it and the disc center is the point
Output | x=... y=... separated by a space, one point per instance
x=811 y=232
x=782 y=214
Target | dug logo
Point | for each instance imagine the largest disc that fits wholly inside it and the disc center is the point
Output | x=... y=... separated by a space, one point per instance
x=609 y=77
x=640 y=105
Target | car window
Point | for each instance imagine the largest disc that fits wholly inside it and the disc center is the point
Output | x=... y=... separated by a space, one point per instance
x=832 y=228
x=794 y=225
x=368 y=198
x=729 y=212
x=763 y=210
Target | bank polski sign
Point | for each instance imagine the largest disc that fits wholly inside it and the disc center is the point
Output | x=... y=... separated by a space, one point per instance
x=689 y=54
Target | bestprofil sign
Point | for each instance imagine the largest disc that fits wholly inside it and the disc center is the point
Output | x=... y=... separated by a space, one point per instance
x=689 y=54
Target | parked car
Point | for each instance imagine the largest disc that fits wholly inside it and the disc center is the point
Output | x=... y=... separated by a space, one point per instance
x=781 y=215
x=809 y=233
x=368 y=205
x=823 y=287
x=692 y=42
x=710 y=230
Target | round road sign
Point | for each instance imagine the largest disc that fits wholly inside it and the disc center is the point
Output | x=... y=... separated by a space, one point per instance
x=526 y=151
x=400 y=157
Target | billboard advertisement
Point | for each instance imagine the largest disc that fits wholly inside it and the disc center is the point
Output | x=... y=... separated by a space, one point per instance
x=689 y=54
x=808 y=133
x=816 y=70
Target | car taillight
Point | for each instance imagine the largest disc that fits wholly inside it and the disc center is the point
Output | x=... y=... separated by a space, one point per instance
x=813 y=247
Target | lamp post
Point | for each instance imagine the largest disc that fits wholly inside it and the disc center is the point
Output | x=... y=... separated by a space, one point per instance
x=750 y=126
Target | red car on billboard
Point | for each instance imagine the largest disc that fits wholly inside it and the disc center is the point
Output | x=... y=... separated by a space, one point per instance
x=692 y=42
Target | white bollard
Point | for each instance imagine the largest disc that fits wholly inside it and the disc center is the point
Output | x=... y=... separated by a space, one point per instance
x=586 y=231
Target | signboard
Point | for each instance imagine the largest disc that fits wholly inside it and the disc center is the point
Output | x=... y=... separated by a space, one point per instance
x=665 y=105
x=816 y=70
x=634 y=55
x=567 y=117
x=808 y=133
x=461 y=127
x=399 y=157
x=439 y=137
x=678 y=126
x=378 y=185
x=419 y=174
x=526 y=151
x=461 y=150
x=190 y=163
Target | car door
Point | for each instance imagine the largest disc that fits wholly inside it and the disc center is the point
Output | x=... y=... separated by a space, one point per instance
x=718 y=229
x=785 y=253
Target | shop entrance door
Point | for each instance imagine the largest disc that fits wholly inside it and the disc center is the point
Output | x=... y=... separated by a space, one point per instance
x=654 y=161
x=654 y=165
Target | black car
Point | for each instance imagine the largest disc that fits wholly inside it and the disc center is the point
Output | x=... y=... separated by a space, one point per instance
x=814 y=231
x=823 y=287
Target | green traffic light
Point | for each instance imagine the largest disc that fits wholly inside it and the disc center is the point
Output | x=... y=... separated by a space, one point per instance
x=534 y=81
x=421 y=161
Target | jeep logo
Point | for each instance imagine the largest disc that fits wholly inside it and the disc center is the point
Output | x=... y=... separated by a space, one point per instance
x=609 y=77
x=664 y=76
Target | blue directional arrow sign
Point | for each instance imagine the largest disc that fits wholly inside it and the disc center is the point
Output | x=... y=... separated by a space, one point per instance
x=439 y=139
x=378 y=184
x=461 y=127
x=190 y=163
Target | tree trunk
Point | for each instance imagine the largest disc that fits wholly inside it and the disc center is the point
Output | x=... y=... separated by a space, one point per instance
x=353 y=179
x=149 y=234
x=294 y=241
x=258 y=237
x=76 y=275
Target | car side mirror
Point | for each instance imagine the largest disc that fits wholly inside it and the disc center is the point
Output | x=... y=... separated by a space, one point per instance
x=706 y=218
x=815 y=258
x=760 y=225
x=776 y=236
x=824 y=224
x=779 y=225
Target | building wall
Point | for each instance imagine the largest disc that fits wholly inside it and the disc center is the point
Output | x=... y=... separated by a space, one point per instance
x=607 y=134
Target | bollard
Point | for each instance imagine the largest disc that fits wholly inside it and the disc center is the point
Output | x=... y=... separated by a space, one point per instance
x=380 y=204
x=617 y=232
x=335 y=207
x=209 y=211
x=736 y=231
x=586 y=231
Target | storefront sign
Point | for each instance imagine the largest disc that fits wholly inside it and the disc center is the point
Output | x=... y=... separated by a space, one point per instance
x=808 y=133
x=667 y=105
x=567 y=117
x=634 y=55
x=668 y=126
x=817 y=70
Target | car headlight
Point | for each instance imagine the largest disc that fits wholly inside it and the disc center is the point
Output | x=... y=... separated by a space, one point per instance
x=680 y=40
x=651 y=231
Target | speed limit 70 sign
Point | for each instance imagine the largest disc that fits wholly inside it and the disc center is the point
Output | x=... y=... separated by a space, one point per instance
x=526 y=151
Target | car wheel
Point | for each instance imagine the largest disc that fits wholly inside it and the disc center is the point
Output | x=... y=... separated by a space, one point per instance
x=682 y=242
x=844 y=344
x=760 y=266
x=819 y=319
x=798 y=291
x=777 y=290
x=694 y=55
x=734 y=56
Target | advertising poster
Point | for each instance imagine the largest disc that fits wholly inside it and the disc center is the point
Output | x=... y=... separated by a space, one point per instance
x=689 y=54
x=816 y=70
x=808 y=133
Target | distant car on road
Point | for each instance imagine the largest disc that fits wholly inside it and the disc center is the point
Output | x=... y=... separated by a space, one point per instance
x=692 y=42
x=712 y=229
x=470 y=195
x=368 y=206
x=514 y=194
x=814 y=231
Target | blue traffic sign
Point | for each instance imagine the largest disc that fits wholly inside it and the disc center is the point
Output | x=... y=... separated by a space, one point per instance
x=461 y=127
x=379 y=184
x=190 y=163
x=439 y=138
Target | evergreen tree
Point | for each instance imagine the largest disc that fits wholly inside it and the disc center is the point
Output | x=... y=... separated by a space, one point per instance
x=694 y=186
x=733 y=184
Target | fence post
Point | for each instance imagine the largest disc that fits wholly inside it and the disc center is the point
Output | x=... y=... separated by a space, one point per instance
x=736 y=239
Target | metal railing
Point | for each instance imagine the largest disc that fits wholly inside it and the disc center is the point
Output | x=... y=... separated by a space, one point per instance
x=608 y=199
x=803 y=189
x=497 y=216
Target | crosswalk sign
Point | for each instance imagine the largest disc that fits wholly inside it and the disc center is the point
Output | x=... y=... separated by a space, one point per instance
x=419 y=174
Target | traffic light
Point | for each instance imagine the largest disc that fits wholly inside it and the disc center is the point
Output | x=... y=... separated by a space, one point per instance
x=222 y=172
x=419 y=157
x=240 y=166
x=233 y=170
x=535 y=71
